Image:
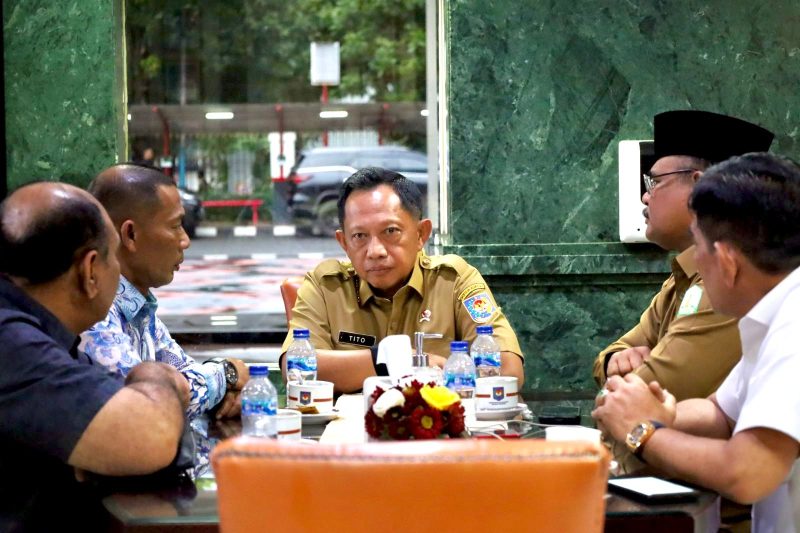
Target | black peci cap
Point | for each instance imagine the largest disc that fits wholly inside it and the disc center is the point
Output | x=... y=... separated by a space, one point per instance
x=706 y=135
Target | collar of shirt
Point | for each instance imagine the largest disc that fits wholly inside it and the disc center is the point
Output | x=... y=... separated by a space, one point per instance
x=415 y=282
x=15 y=298
x=683 y=264
x=763 y=313
x=131 y=301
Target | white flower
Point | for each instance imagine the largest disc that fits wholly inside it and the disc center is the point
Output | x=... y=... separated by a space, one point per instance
x=387 y=400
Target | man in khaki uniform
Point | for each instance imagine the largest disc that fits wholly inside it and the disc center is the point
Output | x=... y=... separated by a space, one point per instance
x=680 y=341
x=391 y=287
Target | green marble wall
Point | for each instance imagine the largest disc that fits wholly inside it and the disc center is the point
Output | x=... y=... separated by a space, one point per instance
x=64 y=88
x=539 y=94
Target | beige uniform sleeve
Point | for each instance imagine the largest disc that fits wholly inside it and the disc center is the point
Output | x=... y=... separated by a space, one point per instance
x=310 y=312
x=503 y=333
x=694 y=356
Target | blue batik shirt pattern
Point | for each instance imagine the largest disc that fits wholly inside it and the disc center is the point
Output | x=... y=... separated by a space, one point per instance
x=132 y=333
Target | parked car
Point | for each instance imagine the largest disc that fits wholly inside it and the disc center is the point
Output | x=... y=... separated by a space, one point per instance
x=194 y=211
x=318 y=174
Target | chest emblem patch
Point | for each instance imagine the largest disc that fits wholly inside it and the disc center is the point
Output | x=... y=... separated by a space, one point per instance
x=691 y=301
x=480 y=307
x=425 y=316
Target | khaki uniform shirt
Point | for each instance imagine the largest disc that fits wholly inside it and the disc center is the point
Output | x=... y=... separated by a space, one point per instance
x=693 y=348
x=444 y=295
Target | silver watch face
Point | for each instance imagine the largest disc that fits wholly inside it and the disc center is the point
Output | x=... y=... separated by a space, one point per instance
x=638 y=432
x=231 y=375
x=634 y=438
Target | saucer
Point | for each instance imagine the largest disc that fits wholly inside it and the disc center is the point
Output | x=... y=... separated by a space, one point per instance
x=500 y=414
x=313 y=420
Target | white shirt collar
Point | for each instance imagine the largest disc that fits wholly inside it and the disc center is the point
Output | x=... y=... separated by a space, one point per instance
x=765 y=309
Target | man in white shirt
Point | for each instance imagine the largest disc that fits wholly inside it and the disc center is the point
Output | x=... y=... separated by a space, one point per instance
x=743 y=441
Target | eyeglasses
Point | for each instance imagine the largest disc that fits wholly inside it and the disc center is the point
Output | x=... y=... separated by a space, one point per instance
x=650 y=182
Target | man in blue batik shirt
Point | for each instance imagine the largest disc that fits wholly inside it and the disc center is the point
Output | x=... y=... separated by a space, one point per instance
x=145 y=206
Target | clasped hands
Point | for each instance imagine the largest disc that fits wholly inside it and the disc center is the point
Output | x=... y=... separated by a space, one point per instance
x=625 y=402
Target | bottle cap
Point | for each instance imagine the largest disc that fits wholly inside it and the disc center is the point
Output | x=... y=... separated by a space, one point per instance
x=459 y=346
x=300 y=334
x=259 y=370
x=484 y=330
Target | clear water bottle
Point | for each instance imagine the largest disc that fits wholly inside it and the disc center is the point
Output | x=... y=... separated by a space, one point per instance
x=259 y=405
x=486 y=353
x=459 y=370
x=301 y=359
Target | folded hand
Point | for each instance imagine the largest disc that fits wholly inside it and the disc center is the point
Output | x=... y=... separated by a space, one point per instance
x=629 y=401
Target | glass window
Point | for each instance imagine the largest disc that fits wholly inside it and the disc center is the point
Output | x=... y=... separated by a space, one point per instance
x=221 y=100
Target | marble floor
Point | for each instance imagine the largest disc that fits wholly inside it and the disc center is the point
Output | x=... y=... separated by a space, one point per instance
x=231 y=294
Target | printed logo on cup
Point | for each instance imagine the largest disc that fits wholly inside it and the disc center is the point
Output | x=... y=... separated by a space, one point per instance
x=496 y=393
x=305 y=397
x=317 y=394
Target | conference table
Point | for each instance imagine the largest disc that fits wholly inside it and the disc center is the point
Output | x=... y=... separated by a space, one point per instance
x=190 y=502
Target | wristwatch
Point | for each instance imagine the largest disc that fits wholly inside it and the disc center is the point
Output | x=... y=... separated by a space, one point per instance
x=231 y=374
x=640 y=434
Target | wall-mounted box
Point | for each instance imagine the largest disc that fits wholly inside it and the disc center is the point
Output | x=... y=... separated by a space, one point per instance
x=635 y=158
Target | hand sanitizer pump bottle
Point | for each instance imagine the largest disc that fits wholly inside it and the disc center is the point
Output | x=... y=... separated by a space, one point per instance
x=422 y=372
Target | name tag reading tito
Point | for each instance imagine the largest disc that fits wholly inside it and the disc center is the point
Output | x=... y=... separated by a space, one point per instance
x=358 y=339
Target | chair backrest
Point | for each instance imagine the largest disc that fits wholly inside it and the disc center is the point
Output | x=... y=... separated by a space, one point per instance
x=289 y=288
x=440 y=485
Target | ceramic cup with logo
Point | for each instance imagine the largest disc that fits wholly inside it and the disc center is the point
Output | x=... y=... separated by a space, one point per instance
x=495 y=393
x=317 y=394
x=289 y=424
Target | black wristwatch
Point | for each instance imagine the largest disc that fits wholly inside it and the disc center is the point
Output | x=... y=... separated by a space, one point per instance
x=231 y=374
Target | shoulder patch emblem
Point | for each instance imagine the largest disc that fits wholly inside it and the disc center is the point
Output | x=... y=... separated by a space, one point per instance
x=469 y=290
x=691 y=301
x=480 y=307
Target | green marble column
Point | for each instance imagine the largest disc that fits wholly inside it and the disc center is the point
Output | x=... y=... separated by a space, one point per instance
x=540 y=92
x=64 y=88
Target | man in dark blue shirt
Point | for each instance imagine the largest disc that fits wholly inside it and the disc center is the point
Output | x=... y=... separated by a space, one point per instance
x=60 y=415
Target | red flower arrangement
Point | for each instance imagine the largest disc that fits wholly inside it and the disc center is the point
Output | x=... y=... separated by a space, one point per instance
x=414 y=411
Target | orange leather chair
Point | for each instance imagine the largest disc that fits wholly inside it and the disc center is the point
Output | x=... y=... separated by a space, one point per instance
x=289 y=288
x=438 y=485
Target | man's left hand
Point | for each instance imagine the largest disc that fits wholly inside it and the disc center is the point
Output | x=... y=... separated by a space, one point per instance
x=243 y=372
x=230 y=406
x=629 y=401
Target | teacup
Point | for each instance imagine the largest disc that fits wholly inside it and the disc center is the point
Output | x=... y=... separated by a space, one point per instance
x=289 y=424
x=572 y=433
x=317 y=394
x=496 y=393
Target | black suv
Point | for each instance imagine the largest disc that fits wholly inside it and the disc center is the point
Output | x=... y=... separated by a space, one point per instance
x=194 y=211
x=318 y=174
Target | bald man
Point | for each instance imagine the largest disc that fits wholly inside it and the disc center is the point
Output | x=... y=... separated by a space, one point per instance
x=60 y=414
x=145 y=208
